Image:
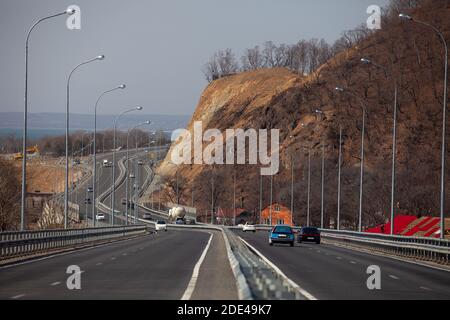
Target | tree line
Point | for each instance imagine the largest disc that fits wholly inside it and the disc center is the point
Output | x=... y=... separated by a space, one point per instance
x=81 y=142
x=303 y=57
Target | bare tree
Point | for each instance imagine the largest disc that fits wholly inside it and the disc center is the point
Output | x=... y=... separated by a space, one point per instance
x=227 y=62
x=252 y=59
x=211 y=69
x=9 y=196
x=221 y=64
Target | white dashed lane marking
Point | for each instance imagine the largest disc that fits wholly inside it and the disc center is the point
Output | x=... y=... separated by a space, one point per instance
x=18 y=296
x=393 y=277
x=55 y=283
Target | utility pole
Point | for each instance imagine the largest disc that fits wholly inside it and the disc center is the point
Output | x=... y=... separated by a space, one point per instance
x=292 y=190
x=322 y=209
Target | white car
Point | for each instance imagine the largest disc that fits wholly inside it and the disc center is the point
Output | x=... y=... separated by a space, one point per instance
x=100 y=216
x=160 y=225
x=248 y=227
x=147 y=216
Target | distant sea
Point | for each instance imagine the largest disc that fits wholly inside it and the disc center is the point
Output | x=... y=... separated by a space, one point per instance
x=32 y=133
x=37 y=133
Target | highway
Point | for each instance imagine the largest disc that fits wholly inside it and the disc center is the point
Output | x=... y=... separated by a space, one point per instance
x=330 y=272
x=161 y=265
x=157 y=266
x=104 y=181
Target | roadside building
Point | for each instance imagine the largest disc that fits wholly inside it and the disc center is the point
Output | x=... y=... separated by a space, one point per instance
x=280 y=215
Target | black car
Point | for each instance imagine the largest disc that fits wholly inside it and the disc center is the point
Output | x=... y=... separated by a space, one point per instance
x=308 y=234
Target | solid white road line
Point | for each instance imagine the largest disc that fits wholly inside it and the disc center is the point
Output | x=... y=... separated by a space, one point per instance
x=65 y=253
x=379 y=254
x=191 y=285
x=302 y=291
x=425 y=288
x=18 y=296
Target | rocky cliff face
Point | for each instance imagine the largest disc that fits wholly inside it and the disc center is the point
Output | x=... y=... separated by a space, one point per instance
x=280 y=99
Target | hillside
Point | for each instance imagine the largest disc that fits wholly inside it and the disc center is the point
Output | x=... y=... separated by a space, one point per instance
x=280 y=99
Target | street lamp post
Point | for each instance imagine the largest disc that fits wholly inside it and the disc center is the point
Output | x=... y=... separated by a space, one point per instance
x=309 y=188
x=178 y=188
x=25 y=117
x=66 y=193
x=113 y=182
x=444 y=116
x=271 y=199
x=260 y=198
x=234 y=198
x=338 y=222
x=322 y=208
x=317 y=111
x=308 y=206
x=94 y=164
x=212 y=195
x=292 y=190
x=292 y=185
x=362 y=153
x=394 y=139
x=127 y=164
x=136 y=183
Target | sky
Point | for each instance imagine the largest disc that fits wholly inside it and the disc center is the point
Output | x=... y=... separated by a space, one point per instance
x=156 y=47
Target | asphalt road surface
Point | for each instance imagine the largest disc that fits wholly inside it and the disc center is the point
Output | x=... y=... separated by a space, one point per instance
x=330 y=272
x=158 y=266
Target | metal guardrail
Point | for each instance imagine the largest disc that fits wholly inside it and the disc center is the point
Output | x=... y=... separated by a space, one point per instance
x=255 y=279
x=428 y=249
x=21 y=243
x=264 y=281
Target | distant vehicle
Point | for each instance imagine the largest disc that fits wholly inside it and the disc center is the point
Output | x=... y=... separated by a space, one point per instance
x=308 y=234
x=107 y=163
x=240 y=225
x=161 y=225
x=176 y=212
x=180 y=221
x=100 y=216
x=32 y=151
x=87 y=201
x=147 y=216
x=90 y=189
x=132 y=176
x=140 y=162
x=76 y=161
x=248 y=227
x=281 y=234
x=191 y=221
x=130 y=203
